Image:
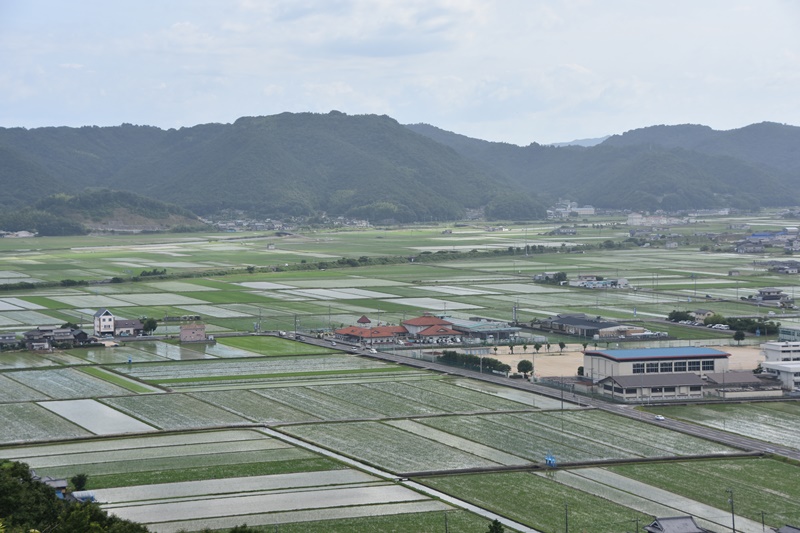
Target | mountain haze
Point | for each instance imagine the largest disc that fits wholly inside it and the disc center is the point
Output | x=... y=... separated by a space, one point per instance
x=370 y=166
x=287 y=164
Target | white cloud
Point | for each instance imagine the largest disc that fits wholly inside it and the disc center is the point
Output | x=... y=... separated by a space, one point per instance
x=516 y=70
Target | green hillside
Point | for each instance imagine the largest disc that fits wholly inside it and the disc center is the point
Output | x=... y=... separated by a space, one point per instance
x=369 y=166
x=98 y=210
x=634 y=171
x=288 y=164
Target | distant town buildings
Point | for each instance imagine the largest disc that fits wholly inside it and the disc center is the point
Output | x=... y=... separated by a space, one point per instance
x=566 y=209
x=428 y=329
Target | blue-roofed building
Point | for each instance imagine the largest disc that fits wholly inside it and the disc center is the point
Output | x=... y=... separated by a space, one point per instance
x=601 y=364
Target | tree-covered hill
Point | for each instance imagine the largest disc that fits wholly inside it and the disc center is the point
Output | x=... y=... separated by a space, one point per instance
x=776 y=146
x=370 y=166
x=685 y=167
x=98 y=209
x=289 y=164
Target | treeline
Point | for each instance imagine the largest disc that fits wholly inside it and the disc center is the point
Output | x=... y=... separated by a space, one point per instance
x=41 y=222
x=98 y=204
x=472 y=362
x=27 y=505
x=62 y=214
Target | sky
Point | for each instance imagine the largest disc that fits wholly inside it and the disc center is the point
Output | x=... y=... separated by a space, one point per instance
x=517 y=71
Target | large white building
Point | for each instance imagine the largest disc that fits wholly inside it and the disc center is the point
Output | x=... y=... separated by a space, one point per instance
x=653 y=374
x=782 y=361
x=600 y=364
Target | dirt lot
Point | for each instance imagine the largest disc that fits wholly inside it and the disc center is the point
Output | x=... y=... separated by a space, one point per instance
x=555 y=364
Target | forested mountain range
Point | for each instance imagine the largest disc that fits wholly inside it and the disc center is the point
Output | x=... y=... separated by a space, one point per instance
x=661 y=167
x=370 y=166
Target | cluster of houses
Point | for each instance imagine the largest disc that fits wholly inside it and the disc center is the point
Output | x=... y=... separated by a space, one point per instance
x=788 y=266
x=427 y=329
x=788 y=238
x=233 y=225
x=105 y=326
x=566 y=209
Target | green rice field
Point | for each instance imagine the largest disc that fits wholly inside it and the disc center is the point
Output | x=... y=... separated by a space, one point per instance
x=202 y=404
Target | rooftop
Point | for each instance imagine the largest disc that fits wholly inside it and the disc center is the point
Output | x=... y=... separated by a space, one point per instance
x=658 y=353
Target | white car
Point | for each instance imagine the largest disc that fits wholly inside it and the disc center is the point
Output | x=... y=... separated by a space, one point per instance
x=659 y=418
x=333 y=343
x=373 y=350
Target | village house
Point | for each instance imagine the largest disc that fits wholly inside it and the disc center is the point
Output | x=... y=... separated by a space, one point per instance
x=194 y=332
x=105 y=323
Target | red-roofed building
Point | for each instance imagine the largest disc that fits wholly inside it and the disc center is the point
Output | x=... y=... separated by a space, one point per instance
x=376 y=335
x=419 y=324
x=436 y=334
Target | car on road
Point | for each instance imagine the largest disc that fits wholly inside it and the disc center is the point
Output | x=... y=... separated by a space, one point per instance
x=333 y=343
x=373 y=350
x=660 y=418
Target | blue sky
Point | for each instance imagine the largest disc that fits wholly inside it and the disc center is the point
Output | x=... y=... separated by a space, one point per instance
x=517 y=71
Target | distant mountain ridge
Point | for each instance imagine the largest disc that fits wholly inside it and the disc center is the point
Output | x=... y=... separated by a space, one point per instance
x=370 y=166
x=282 y=165
x=661 y=167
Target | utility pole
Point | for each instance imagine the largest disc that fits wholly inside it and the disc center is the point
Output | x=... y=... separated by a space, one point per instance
x=733 y=515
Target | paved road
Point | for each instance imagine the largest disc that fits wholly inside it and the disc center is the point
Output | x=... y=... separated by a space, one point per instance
x=730 y=439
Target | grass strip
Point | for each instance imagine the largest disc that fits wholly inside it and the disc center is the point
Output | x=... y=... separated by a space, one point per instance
x=292 y=466
x=116 y=379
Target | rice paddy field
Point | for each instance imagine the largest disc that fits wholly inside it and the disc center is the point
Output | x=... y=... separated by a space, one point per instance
x=775 y=422
x=299 y=286
x=160 y=426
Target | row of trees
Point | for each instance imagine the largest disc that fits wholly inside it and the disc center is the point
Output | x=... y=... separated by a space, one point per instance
x=472 y=362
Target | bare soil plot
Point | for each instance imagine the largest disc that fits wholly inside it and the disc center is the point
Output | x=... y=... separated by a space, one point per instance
x=96 y=417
